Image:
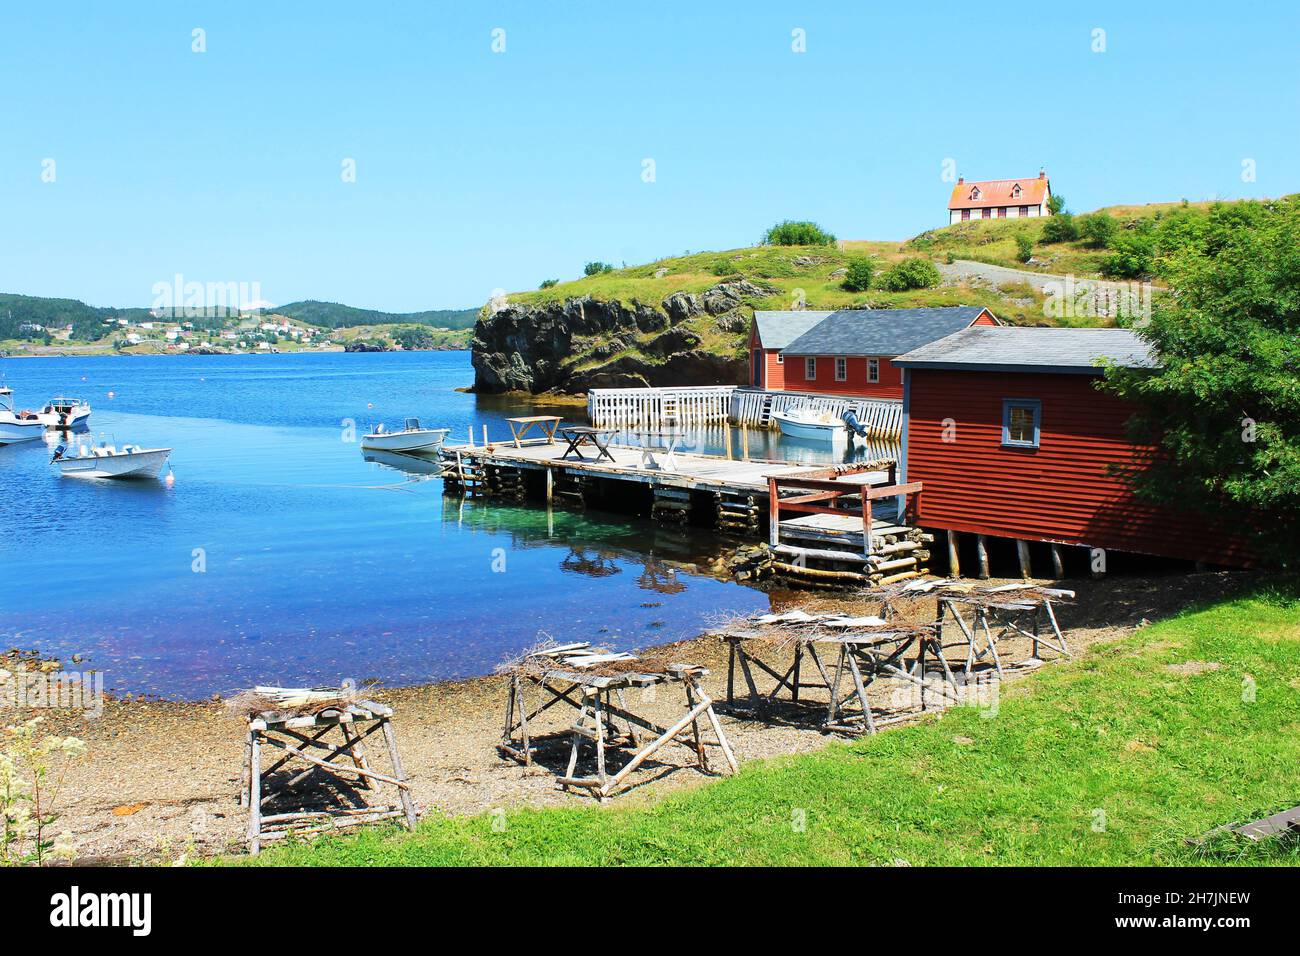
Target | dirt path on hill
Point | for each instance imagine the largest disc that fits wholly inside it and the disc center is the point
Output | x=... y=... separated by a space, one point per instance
x=160 y=780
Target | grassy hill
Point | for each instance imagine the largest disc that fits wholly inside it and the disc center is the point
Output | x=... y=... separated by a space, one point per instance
x=810 y=273
x=993 y=241
x=616 y=340
x=332 y=315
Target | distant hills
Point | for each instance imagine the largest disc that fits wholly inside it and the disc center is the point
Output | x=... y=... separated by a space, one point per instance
x=332 y=315
x=87 y=321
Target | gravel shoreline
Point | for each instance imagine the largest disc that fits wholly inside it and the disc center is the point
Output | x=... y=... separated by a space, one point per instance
x=160 y=779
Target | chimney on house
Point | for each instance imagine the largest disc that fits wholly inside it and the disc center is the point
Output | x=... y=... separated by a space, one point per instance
x=1042 y=174
x=960 y=180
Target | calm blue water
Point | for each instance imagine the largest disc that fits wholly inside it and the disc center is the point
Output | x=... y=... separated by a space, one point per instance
x=314 y=564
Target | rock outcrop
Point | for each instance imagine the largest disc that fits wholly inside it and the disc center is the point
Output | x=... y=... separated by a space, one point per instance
x=584 y=343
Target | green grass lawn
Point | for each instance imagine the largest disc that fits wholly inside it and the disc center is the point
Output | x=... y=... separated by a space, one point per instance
x=1113 y=758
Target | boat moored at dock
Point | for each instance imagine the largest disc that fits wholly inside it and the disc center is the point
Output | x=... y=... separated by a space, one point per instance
x=410 y=438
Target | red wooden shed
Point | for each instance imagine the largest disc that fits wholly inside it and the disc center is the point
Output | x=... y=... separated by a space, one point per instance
x=851 y=351
x=1009 y=435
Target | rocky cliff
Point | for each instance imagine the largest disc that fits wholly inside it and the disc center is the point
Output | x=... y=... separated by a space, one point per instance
x=582 y=343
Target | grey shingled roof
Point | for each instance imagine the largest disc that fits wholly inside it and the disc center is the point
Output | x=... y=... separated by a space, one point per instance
x=1018 y=349
x=881 y=331
x=777 y=329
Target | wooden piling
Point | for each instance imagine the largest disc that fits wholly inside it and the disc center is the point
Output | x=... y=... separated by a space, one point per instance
x=1058 y=566
x=982 y=556
x=954 y=563
x=1022 y=551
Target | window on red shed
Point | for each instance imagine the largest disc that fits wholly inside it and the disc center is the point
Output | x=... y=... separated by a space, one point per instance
x=1020 y=422
x=810 y=368
x=841 y=368
x=873 y=370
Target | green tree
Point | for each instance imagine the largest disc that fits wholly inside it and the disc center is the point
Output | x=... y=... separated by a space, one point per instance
x=1223 y=404
x=1024 y=247
x=414 y=337
x=596 y=268
x=1056 y=204
x=914 y=273
x=791 y=232
x=1097 y=229
x=1060 y=228
x=858 y=276
x=549 y=283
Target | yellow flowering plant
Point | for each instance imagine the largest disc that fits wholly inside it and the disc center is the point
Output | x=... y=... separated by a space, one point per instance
x=32 y=767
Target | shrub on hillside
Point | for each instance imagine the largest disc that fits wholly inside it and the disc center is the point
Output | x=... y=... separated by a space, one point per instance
x=1024 y=248
x=913 y=273
x=724 y=267
x=797 y=233
x=1097 y=229
x=1133 y=255
x=1060 y=228
x=596 y=268
x=859 y=274
x=549 y=283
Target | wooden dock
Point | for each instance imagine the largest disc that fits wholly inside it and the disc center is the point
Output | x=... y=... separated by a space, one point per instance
x=830 y=541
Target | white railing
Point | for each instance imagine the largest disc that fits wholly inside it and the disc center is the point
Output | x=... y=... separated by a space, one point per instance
x=623 y=407
x=616 y=407
x=880 y=416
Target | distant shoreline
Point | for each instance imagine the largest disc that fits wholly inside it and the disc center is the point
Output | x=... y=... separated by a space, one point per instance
x=99 y=353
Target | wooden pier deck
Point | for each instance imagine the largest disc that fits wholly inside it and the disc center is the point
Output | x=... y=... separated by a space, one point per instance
x=693 y=472
x=829 y=540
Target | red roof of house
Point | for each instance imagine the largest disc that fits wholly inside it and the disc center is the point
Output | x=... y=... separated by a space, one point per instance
x=999 y=192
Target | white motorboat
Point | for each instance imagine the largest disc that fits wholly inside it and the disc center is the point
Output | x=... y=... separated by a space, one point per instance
x=107 y=461
x=17 y=426
x=66 y=413
x=410 y=438
x=811 y=424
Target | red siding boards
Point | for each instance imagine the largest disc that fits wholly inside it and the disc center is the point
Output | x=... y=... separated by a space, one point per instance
x=1062 y=491
x=855 y=382
x=765 y=370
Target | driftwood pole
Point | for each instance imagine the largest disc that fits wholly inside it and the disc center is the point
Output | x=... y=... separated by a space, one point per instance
x=982 y=556
x=954 y=564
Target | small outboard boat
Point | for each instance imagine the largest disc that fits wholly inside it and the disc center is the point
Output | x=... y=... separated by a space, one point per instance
x=17 y=426
x=410 y=438
x=107 y=461
x=65 y=414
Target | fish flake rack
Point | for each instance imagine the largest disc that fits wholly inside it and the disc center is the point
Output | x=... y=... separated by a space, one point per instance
x=593 y=682
x=298 y=729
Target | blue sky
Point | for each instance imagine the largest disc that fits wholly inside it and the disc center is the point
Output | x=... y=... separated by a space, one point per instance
x=478 y=170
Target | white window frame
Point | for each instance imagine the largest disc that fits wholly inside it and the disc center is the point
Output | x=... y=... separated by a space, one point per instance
x=873 y=370
x=841 y=368
x=810 y=368
x=780 y=359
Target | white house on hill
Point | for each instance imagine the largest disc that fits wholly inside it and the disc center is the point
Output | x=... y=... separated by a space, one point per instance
x=1000 y=199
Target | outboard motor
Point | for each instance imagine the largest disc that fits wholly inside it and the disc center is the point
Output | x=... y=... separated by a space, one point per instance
x=852 y=425
x=58 y=453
